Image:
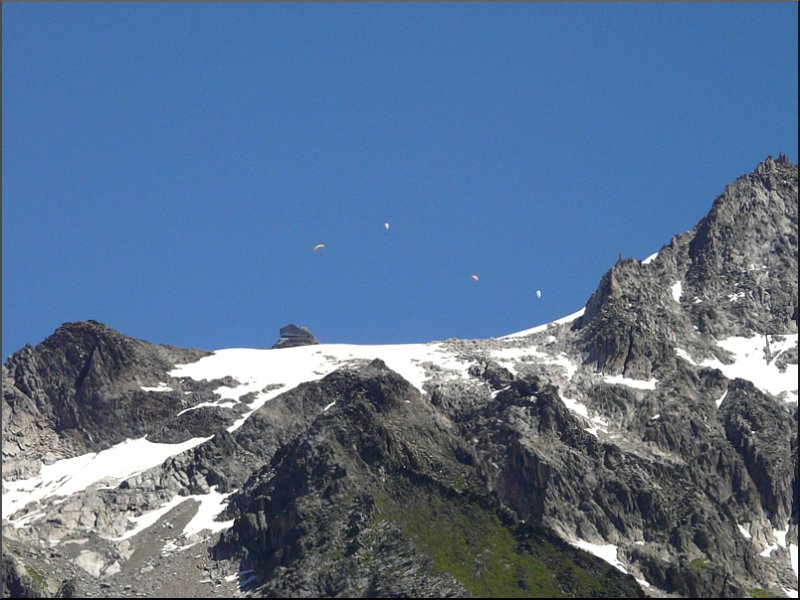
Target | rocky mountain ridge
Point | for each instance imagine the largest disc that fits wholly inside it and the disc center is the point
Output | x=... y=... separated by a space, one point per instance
x=646 y=445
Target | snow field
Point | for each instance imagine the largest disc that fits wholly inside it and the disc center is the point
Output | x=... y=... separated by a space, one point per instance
x=71 y=475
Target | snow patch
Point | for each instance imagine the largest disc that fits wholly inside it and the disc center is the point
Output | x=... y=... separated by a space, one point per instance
x=649 y=384
x=750 y=362
x=575 y=406
x=766 y=552
x=745 y=534
x=736 y=296
x=780 y=536
x=507 y=355
x=496 y=392
x=780 y=542
x=149 y=518
x=677 y=291
x=224 y=404
x=28 y=519
x=540 y=328
x=608 y=552
x=328 y=406
x=650 y=258
x=161 y=387
x=211 y=505
x=600 y=424
x=70 y=475
x=258 y=369
x=685 y=356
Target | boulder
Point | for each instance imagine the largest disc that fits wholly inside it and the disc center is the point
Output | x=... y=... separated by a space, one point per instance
x=292 y=335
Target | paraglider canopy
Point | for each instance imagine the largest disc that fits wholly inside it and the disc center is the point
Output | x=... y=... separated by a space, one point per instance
x=539 y=294
x=475 y=277
x=386 y=226
x=317 y=247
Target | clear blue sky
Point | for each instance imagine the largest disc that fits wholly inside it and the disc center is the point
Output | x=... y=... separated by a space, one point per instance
x=167 y=168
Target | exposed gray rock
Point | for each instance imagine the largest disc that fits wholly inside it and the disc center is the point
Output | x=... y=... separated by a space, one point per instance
x=66 y=589
x=80 y=390
x=192 y=424
x=292 y=336
x=764 y=434
x=737 y=271
x=330 y=515
x=494 y=374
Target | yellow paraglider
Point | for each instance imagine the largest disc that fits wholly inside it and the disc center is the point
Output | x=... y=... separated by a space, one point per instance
x=317 y=247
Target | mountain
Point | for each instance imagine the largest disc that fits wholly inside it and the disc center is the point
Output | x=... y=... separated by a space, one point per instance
x=644 y=445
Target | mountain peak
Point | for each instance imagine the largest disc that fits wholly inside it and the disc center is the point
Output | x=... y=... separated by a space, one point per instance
x=774 y=164
x=734 y=273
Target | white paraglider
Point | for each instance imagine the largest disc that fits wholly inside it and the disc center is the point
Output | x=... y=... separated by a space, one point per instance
x=539 y=294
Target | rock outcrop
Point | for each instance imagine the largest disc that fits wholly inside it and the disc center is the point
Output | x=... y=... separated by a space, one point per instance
x=293 y=336
x=732 y=274
x=379 y=496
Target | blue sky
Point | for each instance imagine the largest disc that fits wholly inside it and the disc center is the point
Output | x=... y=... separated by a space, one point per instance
x=167 y=168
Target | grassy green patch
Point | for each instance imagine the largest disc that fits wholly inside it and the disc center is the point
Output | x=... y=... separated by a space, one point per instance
x=759 y=593
x=699 y=563
x=38 y=578
x=471 y=543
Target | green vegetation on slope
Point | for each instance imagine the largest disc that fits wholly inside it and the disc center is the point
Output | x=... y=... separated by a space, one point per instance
x=471 y=543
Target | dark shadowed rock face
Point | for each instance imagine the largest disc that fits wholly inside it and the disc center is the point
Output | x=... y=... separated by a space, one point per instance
x=17 y=583
x=766 y=438
x=80 y=390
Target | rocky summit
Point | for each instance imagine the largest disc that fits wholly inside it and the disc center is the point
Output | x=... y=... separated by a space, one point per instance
x=292 y=335
x=643 y=446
